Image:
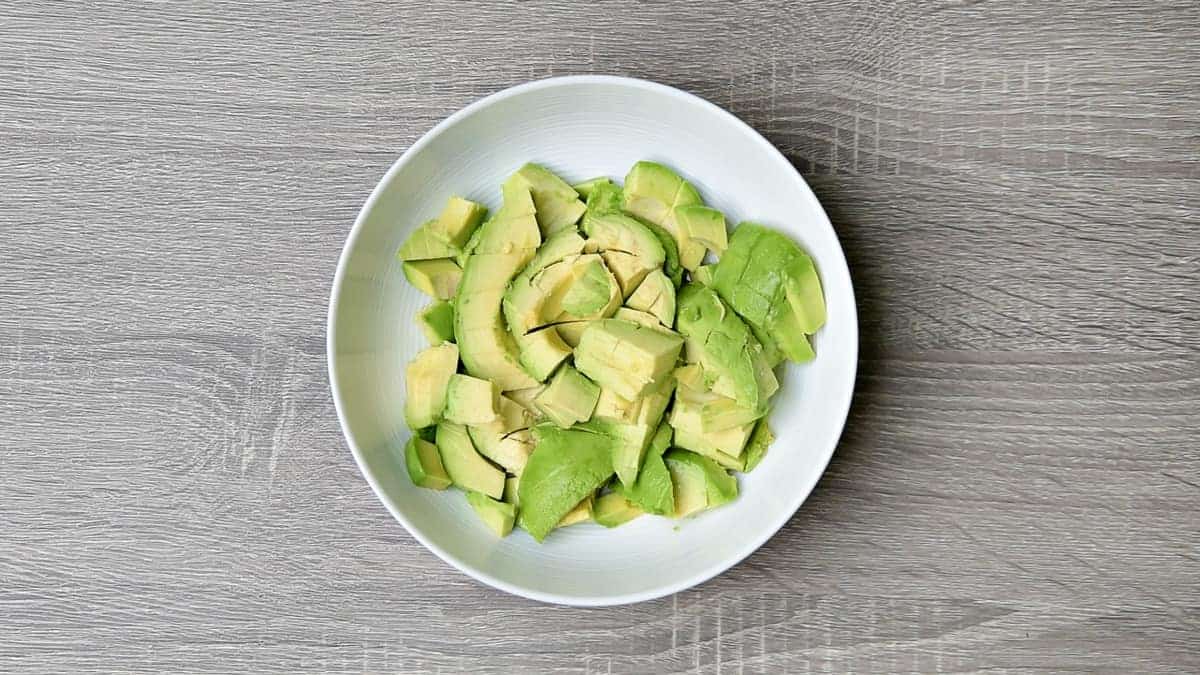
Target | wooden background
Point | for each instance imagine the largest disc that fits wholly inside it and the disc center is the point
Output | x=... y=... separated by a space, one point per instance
x=1017 y=187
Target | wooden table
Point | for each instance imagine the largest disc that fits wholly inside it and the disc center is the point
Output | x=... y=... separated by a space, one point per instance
x=1017 y=187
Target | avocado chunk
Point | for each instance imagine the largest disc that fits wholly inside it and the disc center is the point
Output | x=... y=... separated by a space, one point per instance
x=589 y=291
x=511 y=485
x=723 y=344
x=557 y=204
x=437 y=322
x=699 y=482
x=569 y=398
x=653 y=490
x=637 y=316
x=542 y=351
x=653 y=192
x=424 y=244
x=466 y=467
x=524 y=398
x=613 y=510
x=756 y=447
x=580 y=514
x=656 y=295
x=626 y=357
x=725 y=446
x=498 y=516
x=571 y=332
x=671 y=266
x=703 y=225
x=457 y=221
x=427 y=382
x=584 y=189
x=773 y=285
x=630 y=249
x=506 y=440
x=425 y=465
x=704 y=274
x=567 y=465
x=436 y=278
x=470 y=400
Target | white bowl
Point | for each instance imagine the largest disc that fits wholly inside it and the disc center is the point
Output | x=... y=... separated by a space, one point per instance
x=582 y=127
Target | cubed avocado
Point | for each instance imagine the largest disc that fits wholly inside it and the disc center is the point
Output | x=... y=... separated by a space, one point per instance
x=626 y=357
x=630 y=249
x=569 y=398
x=719 y=487
x=498 y=516
x=511 y=485
x=566 y=466
x=458 y=221
x=580 y=514
x=466 y=467
x=425 y=465
x=637 y=316
x=506 y=440
x=437 y=322
x=703 y=225
x=690 y=489
x=571 y=332
x=653 y=192
x=524 y=397
x=724 y=346
x=436 y=278
x=536 y=299
x=756 y=447
x=590 y=290
x=613 y=510
x=671 y=266
x=427 y=381
x=704 y=274
x=653 y=491
x=584 y=189
x=471 y=400
x=542 y=351
x=688 y=423
x=629 y=442
x=424 y=244
x=557 y=204
x=656 y=295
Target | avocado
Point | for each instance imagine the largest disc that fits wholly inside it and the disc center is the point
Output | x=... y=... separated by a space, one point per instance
x=653 y=192
x=524 y=398
x=437 y=322
x=703 y=225
x=756 y=447
x=571 y=332
x=720 y=486
x=653 y=491
x=566 y=466
x=466 y=468
x=580 y=514
x=505 y=440
x=704 y=274
x=690 y=488
x=424 y=244
x=656 y=295
x=773 y=285
x=604 y=198
x=534 y=300
x=584 y=189
x=671 y=266
x=723 y=344
x=637 y=316
x=427 y=380
x=436 y=278
x=511 y=485
x=613 y=510
x=626 y=357
x=457 y=221
x=590 y=290
x=542 y=351
x=569 y=398
x=557 y=204
x=425 y=465
x=629 y=248
x=498 y=516
x=688 y=424
x=470 y=400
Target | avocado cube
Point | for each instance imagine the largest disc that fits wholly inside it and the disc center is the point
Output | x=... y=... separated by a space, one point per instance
x=467 y=468
x=703 y=225
x=655 y=295
x=613 y=510
x=638 y=317
x=435 y=278
x=725 y=347
x=569 y=398
x=653 y=192
x=699 y=482
x=437 y=322
x=571 y=332
x=470 y=400
x=704 y=274
x=511 y=485
x=688 y=422
x=424 y=244
x=580 y=514
x=756 y=447
x=556 y=203
x=458 y=221
x=542 y=351
x=427 y=382
x=626 y=357
x=425 y=465
x=498 y=516
x=653 y=490
x=590 y=289
x=506 y=440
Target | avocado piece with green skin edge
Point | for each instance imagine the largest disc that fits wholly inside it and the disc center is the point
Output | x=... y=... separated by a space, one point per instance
x=506 y=440
x=584 y=189
x=566 y=466
x=656 y=295
x=613 y=510
x=457 y=221
x=720 y=486
x=497 y=515
x=653 y=491
x=511 y=485
x=590 y=291
x=703 y=225
x=604 y=197
x=436 y=278
x=580 y=514
x=541 y=351
x=760 y=440
x=626 y=357
x=471 y=400
x=653 y=192
x=637 y=316
x=571 y=332
x=424 y=244
x=671 y=266
x=556 y=202
x=427 y=383
x=569 y=397
x=467 y=468
x=725 y=346
x=704 y=274
x=696 y=442
x=688 y=422
x=424 y=465
x=690 y=489
x=437 y=322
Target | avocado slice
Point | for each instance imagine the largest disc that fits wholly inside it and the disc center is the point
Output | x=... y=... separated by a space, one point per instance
x=774 y=286
x=558 y=205
x=425 y=465
x=498 y=516
x=584 y=189
x=571 y=332
x=427 y=382
x=613 y=510
x=703 y=225
x=653 y=491
x=457 y=221
x=653 y=192
x=626 y=357
x=506 y=440
x=590 y=290
x=656 y=295
x=690 y=489
x=542 y=351
x=671 y=266
x=436 y=278
x=725 y=347
x=470 y=400
x=511 y=485
x=437 y=322
x=466 y=467
x=524 y=398
x=580 y=514
x=569 y=398
x=699 y=482
x=566 y=466
x=756 y=447
x=424 y=244
x=629 y=248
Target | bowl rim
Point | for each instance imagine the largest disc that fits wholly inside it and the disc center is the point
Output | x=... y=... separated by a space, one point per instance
x=801 y=494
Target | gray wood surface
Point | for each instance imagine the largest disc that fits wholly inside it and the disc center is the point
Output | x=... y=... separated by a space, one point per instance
x=1016 y=184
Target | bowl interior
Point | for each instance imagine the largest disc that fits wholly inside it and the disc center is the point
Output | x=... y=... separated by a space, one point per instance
x=581 y=128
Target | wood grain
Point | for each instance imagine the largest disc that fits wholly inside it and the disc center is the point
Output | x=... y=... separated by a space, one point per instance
x=1017 y=187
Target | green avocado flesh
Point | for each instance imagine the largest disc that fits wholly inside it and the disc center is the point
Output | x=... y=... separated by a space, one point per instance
x=586 y=368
